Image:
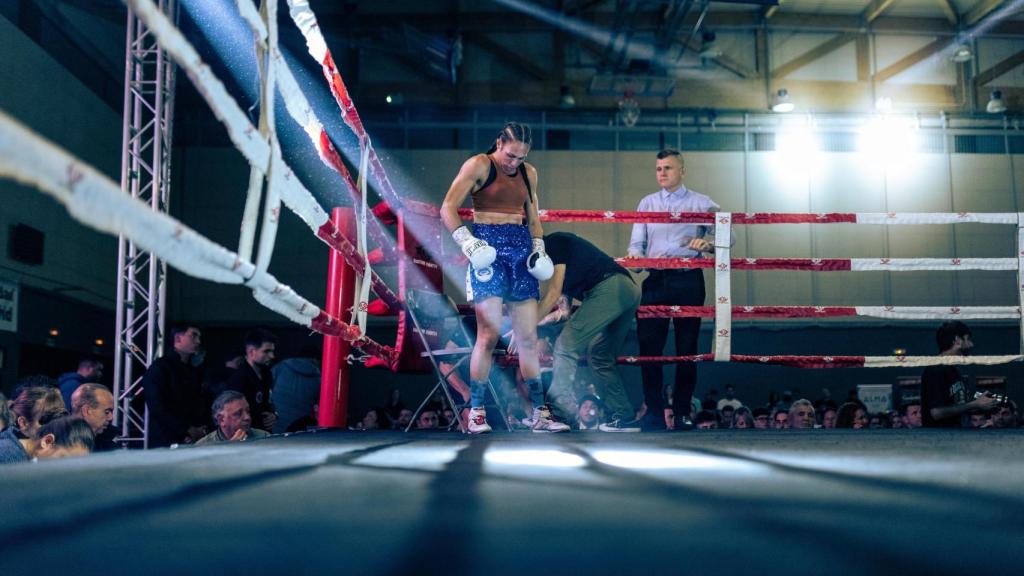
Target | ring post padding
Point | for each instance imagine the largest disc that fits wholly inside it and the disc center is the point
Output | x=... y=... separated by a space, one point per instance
x=723 y=287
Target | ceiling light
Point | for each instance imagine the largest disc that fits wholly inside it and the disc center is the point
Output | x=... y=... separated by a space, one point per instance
x=963 y=53
x=709 y=46
x=996 y=105
x=629 y=110
x=782 y=102
x=566 y=99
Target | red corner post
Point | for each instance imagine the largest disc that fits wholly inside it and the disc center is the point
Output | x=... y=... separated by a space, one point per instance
x=340 y=298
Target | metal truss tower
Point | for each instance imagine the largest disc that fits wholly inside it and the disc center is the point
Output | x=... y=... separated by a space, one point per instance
x=145 y=174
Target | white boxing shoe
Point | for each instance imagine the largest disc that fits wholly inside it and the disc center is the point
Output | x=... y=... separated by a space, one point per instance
x=478 y=421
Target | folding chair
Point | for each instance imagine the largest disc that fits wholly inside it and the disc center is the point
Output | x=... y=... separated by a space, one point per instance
x=437 y=322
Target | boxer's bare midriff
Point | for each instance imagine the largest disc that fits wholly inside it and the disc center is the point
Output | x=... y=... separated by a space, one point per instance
x=497 y=218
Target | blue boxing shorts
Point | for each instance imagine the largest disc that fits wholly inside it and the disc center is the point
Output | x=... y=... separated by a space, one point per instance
x=510 y=279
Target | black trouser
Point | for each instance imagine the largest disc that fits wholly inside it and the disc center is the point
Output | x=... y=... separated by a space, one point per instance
x=670 y=287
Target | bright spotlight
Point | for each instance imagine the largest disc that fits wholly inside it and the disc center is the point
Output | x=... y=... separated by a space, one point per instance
x=797 y=142
x=889 y=140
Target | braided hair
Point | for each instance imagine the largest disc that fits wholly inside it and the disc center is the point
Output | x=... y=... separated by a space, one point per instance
x=513 y=132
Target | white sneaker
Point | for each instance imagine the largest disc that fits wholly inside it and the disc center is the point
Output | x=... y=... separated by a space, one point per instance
x=478 y=421
x=542 y=421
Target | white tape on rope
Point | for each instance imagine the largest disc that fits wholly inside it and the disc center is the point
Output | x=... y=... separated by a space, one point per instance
x=940 y=313
x=306 y=22
x=362 y=290
x=935 y=218
x=922 y=361
x=905 y=264
x=723 y=289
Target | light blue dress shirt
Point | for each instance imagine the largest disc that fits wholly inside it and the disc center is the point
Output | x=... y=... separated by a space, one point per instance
x=670 y=240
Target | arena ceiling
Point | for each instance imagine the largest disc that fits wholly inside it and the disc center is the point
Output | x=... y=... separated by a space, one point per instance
x=584 y=39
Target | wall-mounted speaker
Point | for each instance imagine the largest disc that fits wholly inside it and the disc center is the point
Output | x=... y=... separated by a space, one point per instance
x=25 y=244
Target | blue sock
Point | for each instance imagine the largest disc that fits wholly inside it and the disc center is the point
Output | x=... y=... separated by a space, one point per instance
x=536 y=390
x=477 y=393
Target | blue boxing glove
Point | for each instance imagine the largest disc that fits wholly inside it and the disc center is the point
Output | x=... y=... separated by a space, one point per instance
x=538 y=263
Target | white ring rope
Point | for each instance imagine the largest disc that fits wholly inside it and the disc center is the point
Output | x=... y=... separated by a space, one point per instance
x=97 y=201
x=937 y=218
x=922 y=361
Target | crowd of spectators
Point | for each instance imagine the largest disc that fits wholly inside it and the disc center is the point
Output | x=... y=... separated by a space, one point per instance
x=238 y=399
x=244 y=397
x=826 y=414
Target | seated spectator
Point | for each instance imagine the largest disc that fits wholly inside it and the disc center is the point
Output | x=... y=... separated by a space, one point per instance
x=60 y=437
x=447 y=418
x=89 y=370
x=742 y=419
x=826 y=413
x=780 y=417
x=801 y=414
x=1005 y=415
x=979 y=419
x=762 y=418
x=851 y=415
x=911 y=413
x=428 y=420
x=706 y=420
x=725 y=414
x=590 y=414
x=95 y=404
x=296 y=386
x=33 y=405
x=404 y=417
x=880 y=420
x=371 y=420
x=234 y=422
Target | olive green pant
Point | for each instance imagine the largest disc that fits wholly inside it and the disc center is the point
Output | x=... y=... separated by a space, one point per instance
x=599 y=328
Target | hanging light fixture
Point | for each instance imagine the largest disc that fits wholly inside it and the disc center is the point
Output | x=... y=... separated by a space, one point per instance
x=996 y=105
x=566 y=99
x=963 y=53
x=629 y=110
x=709 y=46
x=781 y=102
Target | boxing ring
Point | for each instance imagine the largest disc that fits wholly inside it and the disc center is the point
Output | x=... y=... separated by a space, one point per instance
x=351 y=502
x=359 y=238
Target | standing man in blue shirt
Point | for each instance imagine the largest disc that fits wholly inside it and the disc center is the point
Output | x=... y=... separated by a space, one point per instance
x=681 y=287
